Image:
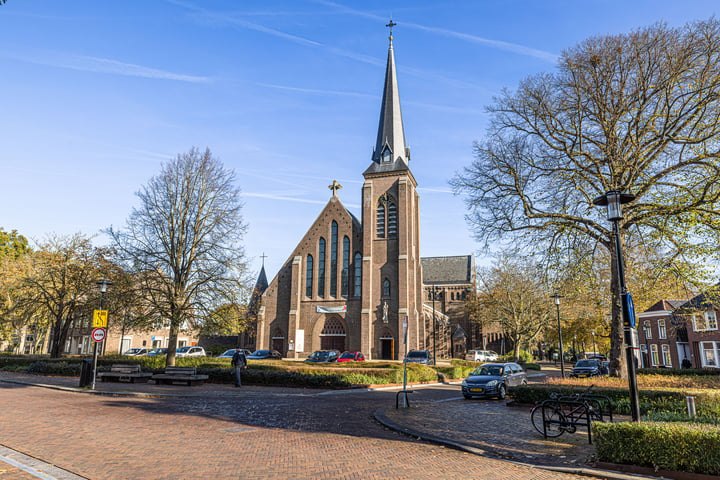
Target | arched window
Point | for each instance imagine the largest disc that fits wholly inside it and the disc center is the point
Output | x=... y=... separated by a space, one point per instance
x=452 y=296
x=386 y=288
x=386 y=155
x=333 y=258
x=357 y=281
x=321 y=268
x=345 y=275
x=308 y=276
x=387 y=217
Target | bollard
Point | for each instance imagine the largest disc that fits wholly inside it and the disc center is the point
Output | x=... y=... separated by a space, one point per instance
x=690 y=406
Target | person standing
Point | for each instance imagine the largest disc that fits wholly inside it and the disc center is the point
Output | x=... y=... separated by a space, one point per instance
x=239 y=362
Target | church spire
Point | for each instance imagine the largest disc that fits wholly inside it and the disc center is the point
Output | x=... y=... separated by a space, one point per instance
x=390 y=152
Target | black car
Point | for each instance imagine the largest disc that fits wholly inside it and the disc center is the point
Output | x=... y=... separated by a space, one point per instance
x=493 y=380
x=587 y=368
x=323 y=356
x=265 y=355
x=419 y=356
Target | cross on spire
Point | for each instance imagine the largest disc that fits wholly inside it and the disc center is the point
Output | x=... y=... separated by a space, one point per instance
x=335 y=187
x=263 y=256
x=390 y=26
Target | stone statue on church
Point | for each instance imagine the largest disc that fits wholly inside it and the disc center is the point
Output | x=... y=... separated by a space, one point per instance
x=385 y=312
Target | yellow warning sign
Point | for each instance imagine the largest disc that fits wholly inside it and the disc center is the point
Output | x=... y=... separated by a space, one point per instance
x=100 y=318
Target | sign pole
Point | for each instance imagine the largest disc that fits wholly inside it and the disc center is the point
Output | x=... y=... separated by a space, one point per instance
x=405 y=340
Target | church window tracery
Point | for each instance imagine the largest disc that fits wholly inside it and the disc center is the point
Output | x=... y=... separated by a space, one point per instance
x=308 y=276
x=333 y=258
x=345 y=276
x=321 y=268
x=357 y=287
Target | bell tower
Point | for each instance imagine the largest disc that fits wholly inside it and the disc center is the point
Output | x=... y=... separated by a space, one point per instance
x=392 y=274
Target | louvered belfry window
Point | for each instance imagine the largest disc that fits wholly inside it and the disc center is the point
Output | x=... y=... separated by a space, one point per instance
x=387 y=217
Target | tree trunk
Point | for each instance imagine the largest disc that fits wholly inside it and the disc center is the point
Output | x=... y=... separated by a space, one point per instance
x=172 y=342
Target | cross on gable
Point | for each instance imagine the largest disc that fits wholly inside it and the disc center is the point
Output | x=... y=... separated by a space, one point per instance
x=335 y=187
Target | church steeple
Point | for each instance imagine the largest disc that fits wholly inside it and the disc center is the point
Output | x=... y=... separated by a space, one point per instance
x=391 y=152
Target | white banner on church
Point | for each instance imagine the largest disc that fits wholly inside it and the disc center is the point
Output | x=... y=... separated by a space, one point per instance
x=342 y=309
x=300 y=340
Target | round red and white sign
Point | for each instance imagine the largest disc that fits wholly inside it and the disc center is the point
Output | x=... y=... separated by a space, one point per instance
x=98 y=334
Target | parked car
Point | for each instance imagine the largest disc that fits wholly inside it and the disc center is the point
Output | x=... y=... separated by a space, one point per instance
x=265 y=355
x=231 y=352
x=136 y=352
x=419 y=356
x=586 y=368
x=157 y=351
x=190 y=352
x=481 y=356
x=493 y=380
x=351 y=357
x=323 y=356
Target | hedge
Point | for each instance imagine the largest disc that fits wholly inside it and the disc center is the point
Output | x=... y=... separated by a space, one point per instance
x=655 y=401
x=680 y=447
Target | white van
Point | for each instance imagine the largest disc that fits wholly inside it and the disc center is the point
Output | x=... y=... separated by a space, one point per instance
x=481 y=356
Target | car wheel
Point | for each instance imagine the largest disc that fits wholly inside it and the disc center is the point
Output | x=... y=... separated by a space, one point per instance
x=501 y=392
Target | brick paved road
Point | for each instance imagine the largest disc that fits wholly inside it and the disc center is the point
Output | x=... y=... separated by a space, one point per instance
x=322 y=436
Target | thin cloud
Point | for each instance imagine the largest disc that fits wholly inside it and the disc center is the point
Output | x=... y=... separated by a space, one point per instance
x=284 y=198
x=498 y=44
x=317 y=91
x=104 y=65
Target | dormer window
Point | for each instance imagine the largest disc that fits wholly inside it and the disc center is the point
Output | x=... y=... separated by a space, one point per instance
x=386 y=155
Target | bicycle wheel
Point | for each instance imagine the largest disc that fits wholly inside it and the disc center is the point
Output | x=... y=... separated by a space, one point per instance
x=554 y=420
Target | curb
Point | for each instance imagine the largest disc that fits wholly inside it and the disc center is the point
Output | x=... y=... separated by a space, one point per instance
x=585 y=471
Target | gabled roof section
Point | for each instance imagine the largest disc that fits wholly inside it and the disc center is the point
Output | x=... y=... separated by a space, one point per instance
x=391 y=153
x=448 y=270
x=666 y=305
x=705 y=301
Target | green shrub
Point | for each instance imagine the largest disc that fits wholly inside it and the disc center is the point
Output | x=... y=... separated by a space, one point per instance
x=454 y=373
x=523 y=357
x=678 y=447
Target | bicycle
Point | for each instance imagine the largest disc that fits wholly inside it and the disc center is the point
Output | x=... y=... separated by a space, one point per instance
x=561 y=414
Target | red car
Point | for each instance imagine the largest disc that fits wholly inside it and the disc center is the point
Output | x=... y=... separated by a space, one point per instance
x=351 y=357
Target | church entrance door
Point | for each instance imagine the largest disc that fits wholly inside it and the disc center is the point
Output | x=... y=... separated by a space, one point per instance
x=332 y=336
x=386 y=348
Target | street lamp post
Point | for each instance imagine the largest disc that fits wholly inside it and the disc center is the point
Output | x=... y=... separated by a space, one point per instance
x=557 y=298
x=614 y=200
x=434 y=292
x=103 y=285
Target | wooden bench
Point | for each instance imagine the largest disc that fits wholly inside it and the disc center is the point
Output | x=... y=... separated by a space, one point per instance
x=125 y=373
x=181 y=375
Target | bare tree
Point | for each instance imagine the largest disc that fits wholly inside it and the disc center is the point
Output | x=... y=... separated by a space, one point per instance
x=184 y=241
x=638 y=113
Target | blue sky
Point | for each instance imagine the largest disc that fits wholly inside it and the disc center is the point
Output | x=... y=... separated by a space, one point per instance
x=95 y=95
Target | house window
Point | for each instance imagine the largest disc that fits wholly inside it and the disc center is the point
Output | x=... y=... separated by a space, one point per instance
x=648 y=330
x=345 y=275
x=308 y=276
x=654 y=357
x=662 y=333
x=386 y=288
x=667 y=359
x=708 y=354
x=333 y=259
x=357 y=287
x=706 y=321
x=321 y=268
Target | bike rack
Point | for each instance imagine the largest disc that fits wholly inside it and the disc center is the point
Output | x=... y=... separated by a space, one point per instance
x=577 y=416
x=407 y=400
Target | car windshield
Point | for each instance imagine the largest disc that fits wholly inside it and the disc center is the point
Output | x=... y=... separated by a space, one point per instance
x=490 y=370
x=320 y=355
x=182 y=349
x=586 y=363
x=416 y=354
x=158 y=350
x=229 y=353
x=133 y=350
x=347 y=355
x=261 y=353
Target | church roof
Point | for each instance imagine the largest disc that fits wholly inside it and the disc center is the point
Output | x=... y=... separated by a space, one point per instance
x=260 y=286
x=391 y=153
x=447 y=270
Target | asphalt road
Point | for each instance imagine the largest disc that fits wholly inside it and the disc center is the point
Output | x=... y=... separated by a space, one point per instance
x=247 y=436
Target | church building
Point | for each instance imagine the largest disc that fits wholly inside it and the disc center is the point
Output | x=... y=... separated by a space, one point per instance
x=357 y=283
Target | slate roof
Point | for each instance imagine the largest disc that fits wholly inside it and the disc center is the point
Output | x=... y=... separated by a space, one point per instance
x=447 y=270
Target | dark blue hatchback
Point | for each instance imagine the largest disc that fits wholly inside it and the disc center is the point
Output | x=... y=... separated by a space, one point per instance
x=493 y=380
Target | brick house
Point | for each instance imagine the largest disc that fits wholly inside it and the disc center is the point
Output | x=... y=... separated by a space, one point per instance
x=352 y=283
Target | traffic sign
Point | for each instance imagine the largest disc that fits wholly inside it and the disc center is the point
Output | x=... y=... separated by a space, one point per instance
x=98 y=334
x=100 y=318
x=628 y=310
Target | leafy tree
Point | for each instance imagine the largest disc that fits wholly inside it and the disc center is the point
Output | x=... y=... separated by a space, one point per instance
x=59 y=284
x=513 y=294
x=638 y=113
x=183 y=242
x=12 y=244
